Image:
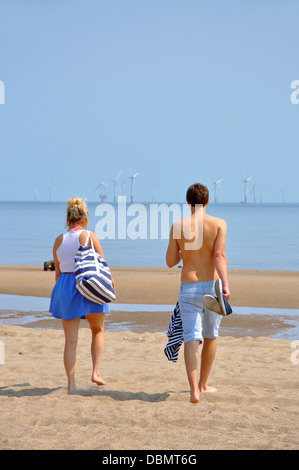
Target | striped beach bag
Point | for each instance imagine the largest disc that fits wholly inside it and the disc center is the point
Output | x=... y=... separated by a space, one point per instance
x=93 y=277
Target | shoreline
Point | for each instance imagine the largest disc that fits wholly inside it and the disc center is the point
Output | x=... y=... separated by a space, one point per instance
x=160 y=287
x=262 y=289
x=237 y=325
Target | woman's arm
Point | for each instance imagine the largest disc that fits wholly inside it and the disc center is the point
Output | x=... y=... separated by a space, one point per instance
x=98 y=247
x=57 y=244
x=97 y=244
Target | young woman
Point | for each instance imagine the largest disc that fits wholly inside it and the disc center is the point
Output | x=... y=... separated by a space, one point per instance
x=66 y=302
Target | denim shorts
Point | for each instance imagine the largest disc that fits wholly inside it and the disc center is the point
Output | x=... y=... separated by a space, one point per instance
x=198 y=322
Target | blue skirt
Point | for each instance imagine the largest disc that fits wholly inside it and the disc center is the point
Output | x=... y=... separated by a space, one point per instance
x=67 y=303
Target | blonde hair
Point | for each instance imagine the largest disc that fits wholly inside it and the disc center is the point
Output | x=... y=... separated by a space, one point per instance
x=76 y=211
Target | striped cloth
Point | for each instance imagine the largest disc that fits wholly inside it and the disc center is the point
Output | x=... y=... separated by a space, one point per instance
x=175 y=335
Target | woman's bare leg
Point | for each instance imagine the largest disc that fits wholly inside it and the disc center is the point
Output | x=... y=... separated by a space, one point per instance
x=96 y=323
x=71 y=328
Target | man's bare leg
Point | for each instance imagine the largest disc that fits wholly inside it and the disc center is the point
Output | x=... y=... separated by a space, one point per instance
x=191 y=362
x=207 y=358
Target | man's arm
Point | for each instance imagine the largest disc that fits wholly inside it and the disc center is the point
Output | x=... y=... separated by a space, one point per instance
x=220 y=257
x=173 y=255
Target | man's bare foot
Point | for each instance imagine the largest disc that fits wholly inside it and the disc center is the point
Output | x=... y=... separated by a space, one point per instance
x=207 y=389
x=194 y=396
x=97 y=380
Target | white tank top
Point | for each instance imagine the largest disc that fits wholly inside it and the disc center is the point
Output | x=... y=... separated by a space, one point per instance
x=67 y=251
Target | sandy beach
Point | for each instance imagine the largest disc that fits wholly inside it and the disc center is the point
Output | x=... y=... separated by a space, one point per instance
x=161 y=285
x=145 y=403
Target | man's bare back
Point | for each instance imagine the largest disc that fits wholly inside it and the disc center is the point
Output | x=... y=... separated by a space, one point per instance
x=207 y=261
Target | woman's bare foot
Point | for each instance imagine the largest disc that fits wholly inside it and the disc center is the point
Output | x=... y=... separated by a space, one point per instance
x=194 y=396
x=97 y=380
x=71 y=386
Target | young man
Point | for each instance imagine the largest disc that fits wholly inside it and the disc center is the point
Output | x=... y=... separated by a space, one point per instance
x=199 y=241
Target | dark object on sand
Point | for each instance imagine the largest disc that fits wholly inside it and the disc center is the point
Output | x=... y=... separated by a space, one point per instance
x=49 y=266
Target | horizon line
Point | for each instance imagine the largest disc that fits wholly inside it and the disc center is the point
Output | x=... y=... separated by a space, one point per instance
x=211 y=203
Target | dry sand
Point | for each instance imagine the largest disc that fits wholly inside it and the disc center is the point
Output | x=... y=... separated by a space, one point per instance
x=145 y=404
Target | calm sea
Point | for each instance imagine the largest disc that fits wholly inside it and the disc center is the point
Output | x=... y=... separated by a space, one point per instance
x=260 y=236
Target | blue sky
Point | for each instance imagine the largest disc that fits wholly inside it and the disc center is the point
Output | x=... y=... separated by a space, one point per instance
x=179 y=91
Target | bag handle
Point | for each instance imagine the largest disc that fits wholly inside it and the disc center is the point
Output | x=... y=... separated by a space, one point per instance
x=87 y=238
x=94 y=251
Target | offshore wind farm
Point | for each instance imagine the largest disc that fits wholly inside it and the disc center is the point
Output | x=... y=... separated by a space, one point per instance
x=118 y=187
x=109 y=189
x=251 y=189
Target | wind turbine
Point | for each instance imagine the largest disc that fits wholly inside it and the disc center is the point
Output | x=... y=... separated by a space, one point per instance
x=261 y=195
x=115 y=184
x=245 y=180
x=102 y=195
x=132 y=183
x=35 y=193
x=254 y=192
x=50 y=191
x=122 y=187
x=216 y=183
x=153 y=193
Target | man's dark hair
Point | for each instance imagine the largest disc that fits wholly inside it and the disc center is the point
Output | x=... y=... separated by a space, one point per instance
x=197 y=194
